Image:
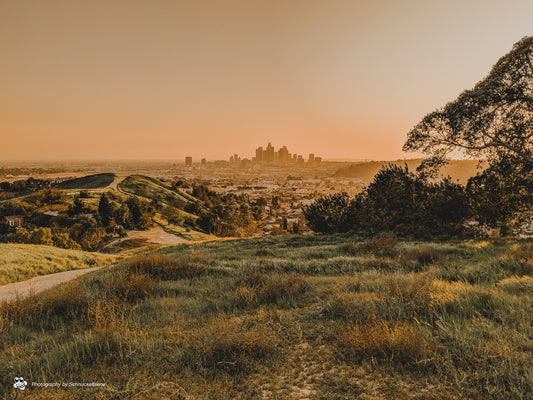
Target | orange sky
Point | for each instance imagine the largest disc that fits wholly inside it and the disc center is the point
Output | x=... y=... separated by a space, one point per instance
x=154 y=79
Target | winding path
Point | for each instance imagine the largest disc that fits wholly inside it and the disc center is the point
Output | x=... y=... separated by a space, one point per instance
x=39 y=283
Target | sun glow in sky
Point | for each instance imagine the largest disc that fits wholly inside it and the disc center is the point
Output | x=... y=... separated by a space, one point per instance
x=165 y=79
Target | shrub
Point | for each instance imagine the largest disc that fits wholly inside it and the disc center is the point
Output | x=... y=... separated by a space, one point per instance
x=328 y=214
x=396 y=200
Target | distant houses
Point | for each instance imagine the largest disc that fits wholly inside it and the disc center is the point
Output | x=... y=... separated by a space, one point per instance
x=51 y=213
x=14 y=221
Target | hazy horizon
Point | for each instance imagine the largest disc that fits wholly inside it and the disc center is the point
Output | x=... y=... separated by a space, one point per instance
x=137 y=80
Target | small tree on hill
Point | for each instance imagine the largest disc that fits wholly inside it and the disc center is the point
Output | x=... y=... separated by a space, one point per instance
x=104 y=210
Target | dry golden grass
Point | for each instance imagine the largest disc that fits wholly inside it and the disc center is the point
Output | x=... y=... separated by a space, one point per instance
x=376 y=245
x=68 y=302
x=517 y=285
x=422 y=257
x=132 y=287
x=280 y=324
x=398 y=342
x=164 y=267
x=441 y=291
x=521 y=252
x=258 y=288
x=231 y=343
x=19 y=262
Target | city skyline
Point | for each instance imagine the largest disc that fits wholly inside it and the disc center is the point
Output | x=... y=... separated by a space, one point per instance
x=166 y=79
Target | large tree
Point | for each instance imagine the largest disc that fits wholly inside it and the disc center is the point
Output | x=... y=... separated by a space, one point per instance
x=492 y=121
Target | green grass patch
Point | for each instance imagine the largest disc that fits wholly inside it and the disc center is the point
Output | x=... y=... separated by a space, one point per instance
x=97 y=181
x=285 y=317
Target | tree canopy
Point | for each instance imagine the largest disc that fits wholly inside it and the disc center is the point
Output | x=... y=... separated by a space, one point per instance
x=492 y=121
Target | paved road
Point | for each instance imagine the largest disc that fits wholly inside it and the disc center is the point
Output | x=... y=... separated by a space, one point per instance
x=39 y=283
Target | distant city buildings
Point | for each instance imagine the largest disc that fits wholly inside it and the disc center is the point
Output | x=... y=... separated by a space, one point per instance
x=269 y=155
x=263 y=155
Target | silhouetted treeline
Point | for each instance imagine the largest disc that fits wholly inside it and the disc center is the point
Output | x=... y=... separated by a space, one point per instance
x=9 y=190
x=460 y=170
x=407 y=204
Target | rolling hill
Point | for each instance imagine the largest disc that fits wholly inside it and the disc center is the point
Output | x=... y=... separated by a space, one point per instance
x=19 y=262
x=97 y=181
x=300 y=317
x=154 y=189
x=459 y=170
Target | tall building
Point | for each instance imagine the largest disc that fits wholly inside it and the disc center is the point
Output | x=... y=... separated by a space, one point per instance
x=311 y=158
x=269 y=153
x=284 y=154
x=259 y=154
x=188 y=161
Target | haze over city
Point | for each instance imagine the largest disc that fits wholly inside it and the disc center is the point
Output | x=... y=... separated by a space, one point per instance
x=165 y=79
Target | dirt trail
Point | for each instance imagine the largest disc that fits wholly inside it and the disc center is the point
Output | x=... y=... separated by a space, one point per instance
x=155 y=235
x=116 y=181
x=40 y=283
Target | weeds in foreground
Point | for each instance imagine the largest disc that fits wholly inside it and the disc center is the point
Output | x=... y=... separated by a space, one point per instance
x=432 y=327
x=231 y=344
x=165 y=267
x=379 y=245
x=258 y=288
x=399 y=343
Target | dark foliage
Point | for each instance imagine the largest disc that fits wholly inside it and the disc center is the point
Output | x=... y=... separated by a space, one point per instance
x=396 y=201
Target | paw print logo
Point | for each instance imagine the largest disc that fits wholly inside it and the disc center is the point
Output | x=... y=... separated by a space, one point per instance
x=20 y=383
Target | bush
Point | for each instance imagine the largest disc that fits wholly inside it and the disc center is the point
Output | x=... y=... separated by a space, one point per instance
x=328 y=214
x=396 y=200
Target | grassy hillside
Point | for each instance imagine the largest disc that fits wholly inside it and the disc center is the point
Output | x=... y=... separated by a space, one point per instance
x=97 y=181
x=19 y=262
x=151 y=188
x=458 y=169
x=324 y=317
